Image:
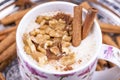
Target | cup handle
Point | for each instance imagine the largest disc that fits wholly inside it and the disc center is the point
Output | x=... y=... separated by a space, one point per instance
x=110 y=53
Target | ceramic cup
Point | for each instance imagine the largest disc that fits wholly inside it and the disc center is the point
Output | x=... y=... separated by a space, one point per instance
x=30 y=71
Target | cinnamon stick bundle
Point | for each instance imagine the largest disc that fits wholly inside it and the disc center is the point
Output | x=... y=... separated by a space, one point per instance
x=98 y=68
x=109 y=28
x=13 y=17
x=18 y=21
x=89 y=20
x=77 y=26
x=102 y=63
x=8 y=30
x=10 y=51
x=1 y=76
x=108 y=40
x=111 y=64
x=7 y=41
x=85 y=5
x=2 y=37
x=3 y=65
x=118 y=40
x=6 y=62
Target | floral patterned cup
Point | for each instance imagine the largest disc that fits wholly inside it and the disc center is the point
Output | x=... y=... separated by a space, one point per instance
x=30 y=71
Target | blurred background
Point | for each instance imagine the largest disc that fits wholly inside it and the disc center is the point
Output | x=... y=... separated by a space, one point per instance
x=12 y=11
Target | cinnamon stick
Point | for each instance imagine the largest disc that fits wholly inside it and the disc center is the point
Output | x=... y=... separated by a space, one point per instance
x=2 y=37
x=77 y=26
x=18 y=21
x=13 y=17
x=3 y=65
x=109 y=28
x=111 y=64
x=102 y=63
x=6 y=62
x=7 y=41
x=118 y=40
x=23 y=4
x=1 y=76
x=108 y=40
x=8 y=52
x=85 y=5
x=89 y=20
x=8 y=30
x=98 y=68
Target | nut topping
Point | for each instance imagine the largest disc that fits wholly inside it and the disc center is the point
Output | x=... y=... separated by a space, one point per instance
x=51 y=41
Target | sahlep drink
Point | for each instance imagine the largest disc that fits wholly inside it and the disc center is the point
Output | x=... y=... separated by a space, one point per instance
x=50 y=44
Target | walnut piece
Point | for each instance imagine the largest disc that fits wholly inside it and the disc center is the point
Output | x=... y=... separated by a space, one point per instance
x=68 y=59
x=55 y=50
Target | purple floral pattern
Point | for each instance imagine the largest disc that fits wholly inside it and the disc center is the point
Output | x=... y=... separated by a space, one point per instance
x=35 y=72
x=88 y=69
x=108 y=52
x=88 y=72
x=62 y=76
x=84 y=72
x=59 y=75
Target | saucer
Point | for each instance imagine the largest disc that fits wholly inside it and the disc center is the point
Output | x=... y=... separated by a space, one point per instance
x=109 y=74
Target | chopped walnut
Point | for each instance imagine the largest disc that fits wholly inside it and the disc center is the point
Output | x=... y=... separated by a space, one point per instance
x=65 y=17
x=47 y=37
x=65 y=50
x=39 y=19
x=36 y=55
x=43 y=22
x=67 y=68
x=68 y=59
x=56 y=40
x=47 y=17
x=27 y=40
x=65 y=44
x=53 y=23
x=50 y=55
x=48 y=44
x=48 y=30
x=42 y=60
x=55 y=50
x=43 y=27
x=42 y=50
x=51 y=40
x=34 y=32
x=60 y=25
x=66 y=38
x=27 y=49
x=40 y=38
x=42 y=32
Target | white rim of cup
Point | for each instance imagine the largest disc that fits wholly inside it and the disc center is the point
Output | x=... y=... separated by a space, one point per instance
x=22 y=53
